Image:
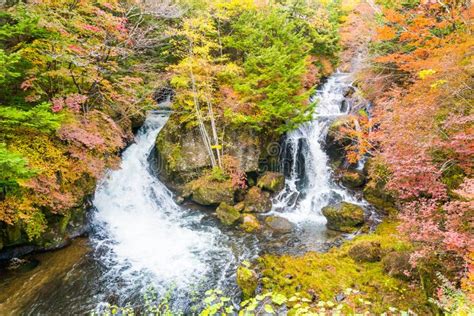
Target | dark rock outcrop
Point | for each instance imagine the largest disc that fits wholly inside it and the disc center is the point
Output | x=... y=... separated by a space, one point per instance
x=183 y=157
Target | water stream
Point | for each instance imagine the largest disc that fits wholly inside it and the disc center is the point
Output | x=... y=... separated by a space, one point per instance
x=142 y=238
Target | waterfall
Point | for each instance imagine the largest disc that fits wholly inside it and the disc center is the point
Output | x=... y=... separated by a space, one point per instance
x=309 y=185
x=143 y=237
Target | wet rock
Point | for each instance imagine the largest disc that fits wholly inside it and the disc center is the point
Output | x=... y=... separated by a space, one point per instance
x=247 y=280
x=250 y=223
x=366 y=251
x=179 y=200
x=397 y=264
x=279 y=224
x=344 y=217
x=349 y=92
x=352 y=179
x=257 y=201
x=206 y=191
x=271 y=181
x=335 y=144
x=227 y=214
x=183 y=158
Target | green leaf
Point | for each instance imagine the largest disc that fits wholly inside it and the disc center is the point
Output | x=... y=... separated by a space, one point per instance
x=279 y=298
x=269 y=309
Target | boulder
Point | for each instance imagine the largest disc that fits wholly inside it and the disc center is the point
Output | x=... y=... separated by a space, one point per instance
x=366 y=251
x=279 y=224
x=377 y=196
x=227 y=214
x=335 y=144
x=206 y=191
x=397 y=264
x=271 y=181
x=182 y=156
x=250 y=223
x=247 y=280
x=375 y=191
x=344 y=216
x=257 y=201
x=352 y=179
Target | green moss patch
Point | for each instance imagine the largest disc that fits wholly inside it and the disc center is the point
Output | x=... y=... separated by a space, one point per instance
x=329 y=274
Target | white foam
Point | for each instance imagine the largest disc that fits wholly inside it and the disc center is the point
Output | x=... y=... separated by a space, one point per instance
x=143 y=229
x=319 y=190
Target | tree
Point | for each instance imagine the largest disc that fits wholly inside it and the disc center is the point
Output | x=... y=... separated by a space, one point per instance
x=13 y=169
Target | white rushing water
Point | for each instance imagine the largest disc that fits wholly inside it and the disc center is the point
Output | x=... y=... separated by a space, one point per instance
x=310 y=187
x=143 y=237
x=142 y=231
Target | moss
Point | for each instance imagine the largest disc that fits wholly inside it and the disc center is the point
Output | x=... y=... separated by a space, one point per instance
x=329 y=274
x=63 y=222
x=352 y=179
x=14 y=235
x=271 y=181
x=344 y=217
x=227 y=214
x=257 y=201
x=250 y=223
x=207 y=191
x=366 y=251
x=247 y=280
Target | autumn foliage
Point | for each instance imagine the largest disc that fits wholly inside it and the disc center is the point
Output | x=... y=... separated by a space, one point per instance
x=424 y=64
x=70 y=90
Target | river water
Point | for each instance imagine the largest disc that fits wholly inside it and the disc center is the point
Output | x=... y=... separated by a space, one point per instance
x=140 y=237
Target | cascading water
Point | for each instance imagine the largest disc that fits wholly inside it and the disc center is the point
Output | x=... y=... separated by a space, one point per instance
x=309 y=185
x=141 y=237
x=144 y=237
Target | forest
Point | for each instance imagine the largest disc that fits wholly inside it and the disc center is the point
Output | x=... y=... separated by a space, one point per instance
x=236 y=157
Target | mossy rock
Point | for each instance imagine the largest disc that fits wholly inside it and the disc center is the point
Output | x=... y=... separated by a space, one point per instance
x=344 y=217
x=335 y=145
x=14 y=235
x=352 y=179
x=227 y=214
x=247 y=280
x=380 y=199
x=330 y=273
x=271 y=181
x=397 y=264
x=375 y=191
x=279 y=224
x=257 y=201
x=366 y=251
x=250 y=223
x=180 y=152
x=206 y=191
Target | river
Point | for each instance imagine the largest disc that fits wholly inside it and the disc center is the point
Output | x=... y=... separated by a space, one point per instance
x=140 y=237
